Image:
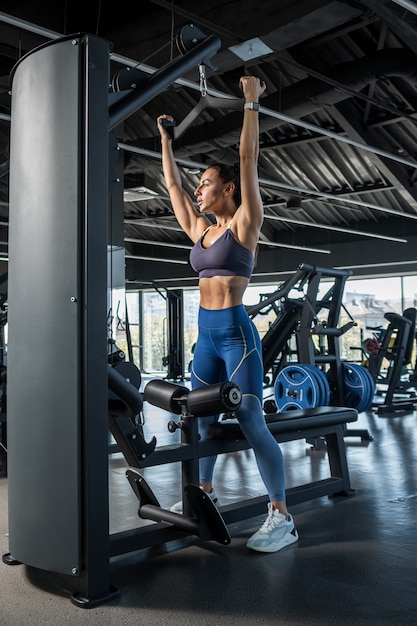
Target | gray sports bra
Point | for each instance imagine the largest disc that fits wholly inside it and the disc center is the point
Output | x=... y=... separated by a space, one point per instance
x=225 y=257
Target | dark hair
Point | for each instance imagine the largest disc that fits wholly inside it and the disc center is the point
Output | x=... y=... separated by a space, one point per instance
x=229 y=174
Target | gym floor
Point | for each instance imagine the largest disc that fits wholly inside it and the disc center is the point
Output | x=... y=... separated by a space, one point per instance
x=355 y=562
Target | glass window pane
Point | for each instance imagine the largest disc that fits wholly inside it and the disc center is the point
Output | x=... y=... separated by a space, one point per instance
x=132 y=302
x=117 y=321
x=410 y=291
x=190 y=317
x=368 y=300
x=254 y=295
x=154 y=332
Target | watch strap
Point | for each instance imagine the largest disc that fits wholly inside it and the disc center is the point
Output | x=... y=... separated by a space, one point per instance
x=254 y=106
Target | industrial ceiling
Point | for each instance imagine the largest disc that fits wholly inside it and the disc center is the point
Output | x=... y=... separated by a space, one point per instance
x=338 y=124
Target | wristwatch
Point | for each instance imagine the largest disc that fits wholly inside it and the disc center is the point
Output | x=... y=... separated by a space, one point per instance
x=254 y=106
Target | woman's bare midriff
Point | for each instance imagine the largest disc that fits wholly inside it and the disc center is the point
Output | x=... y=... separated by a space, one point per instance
x=222 y=292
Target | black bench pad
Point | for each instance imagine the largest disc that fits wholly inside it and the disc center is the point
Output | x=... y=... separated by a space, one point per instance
x=289 y=421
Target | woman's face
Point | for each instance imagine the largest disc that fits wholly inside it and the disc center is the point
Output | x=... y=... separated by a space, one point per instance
x=210 y=192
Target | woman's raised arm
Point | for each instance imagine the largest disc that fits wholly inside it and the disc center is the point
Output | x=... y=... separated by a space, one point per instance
x=185 y=211
x=249 y=217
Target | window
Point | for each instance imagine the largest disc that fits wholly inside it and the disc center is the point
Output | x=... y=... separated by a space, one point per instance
x=154 y=320
x=190 y=321
x=132 y=303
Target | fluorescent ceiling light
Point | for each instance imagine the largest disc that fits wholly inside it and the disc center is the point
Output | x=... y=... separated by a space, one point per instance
x=136 y=194
x=339 y=229
x=153 y=258
x=141 y=222
x=251 y=49
x=275 y=244
x=164 y=244
x=387 y=264
x=410 y=6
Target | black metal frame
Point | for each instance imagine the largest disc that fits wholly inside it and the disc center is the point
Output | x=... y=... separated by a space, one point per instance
x=175 y=357
x=396 y=346
x=67 y=119
x=324 y=422
x=3 y=444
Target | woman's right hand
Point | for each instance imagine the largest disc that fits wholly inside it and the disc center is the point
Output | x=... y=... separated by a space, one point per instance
x=163 y=131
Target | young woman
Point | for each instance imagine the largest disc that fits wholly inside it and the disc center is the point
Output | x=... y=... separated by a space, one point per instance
x=228 y=345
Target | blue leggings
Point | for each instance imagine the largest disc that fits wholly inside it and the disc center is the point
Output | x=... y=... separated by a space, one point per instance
x=229 y=348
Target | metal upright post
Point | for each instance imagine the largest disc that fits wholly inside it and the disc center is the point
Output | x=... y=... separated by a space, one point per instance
x=57 y=374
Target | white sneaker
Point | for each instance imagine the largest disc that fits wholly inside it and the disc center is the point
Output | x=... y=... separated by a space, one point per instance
x=177 y=507
x=275 y=533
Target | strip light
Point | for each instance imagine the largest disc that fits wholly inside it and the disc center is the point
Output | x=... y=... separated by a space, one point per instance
x=137 y=257
x=164 y=244
x=410 y=6
x=339 y=229
x=276 y=244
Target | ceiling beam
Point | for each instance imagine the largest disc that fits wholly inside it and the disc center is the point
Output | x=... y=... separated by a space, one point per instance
x=399 y=177
x=385 y=10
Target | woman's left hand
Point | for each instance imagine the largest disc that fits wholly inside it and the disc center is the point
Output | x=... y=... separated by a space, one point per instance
x=252 y=87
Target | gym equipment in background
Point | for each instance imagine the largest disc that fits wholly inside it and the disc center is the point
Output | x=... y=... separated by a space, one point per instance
x=301 y=351
x=390 y=363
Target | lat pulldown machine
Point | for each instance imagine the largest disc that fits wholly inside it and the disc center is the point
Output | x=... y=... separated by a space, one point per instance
x=59 y=179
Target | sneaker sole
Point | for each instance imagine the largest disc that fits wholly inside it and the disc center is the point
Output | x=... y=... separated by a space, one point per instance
x=288 y=540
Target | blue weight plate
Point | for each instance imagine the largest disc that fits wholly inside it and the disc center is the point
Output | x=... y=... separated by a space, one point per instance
x=323 y=384
x=322 y=375
x=356 y=386
x=320 y=388
x=371 y=388
x=296 y=388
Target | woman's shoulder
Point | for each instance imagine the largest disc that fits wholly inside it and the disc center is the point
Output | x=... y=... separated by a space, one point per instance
x=202 y=225
x=245 y=231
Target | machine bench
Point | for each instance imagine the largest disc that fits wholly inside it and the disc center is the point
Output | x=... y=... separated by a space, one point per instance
x=322 y=422
x=325 y=423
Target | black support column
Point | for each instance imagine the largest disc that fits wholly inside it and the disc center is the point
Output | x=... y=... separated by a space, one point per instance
x=57 y=374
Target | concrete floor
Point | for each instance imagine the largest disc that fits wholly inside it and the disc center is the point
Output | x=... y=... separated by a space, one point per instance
x=355 y=562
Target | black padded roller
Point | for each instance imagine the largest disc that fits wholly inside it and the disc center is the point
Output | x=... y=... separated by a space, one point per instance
x=219 y=398
x=129 y=371
x=124 y=398
x=165 y=395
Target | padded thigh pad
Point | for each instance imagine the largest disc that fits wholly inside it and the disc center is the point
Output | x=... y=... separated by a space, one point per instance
x=289 y=421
